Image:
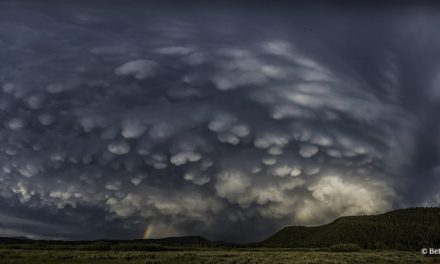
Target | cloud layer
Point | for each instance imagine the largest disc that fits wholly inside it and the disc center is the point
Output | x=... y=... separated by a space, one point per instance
x=226 y=123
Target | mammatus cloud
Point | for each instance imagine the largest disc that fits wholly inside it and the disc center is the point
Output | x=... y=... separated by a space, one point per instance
x=115 y=122
x=139 y=69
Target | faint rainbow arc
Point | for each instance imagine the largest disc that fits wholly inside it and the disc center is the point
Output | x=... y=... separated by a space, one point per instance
x=148 y=231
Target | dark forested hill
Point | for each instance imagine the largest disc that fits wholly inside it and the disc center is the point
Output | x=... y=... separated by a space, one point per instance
x=413 y=228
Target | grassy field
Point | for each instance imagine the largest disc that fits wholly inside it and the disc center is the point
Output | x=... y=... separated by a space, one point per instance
x=8 y=256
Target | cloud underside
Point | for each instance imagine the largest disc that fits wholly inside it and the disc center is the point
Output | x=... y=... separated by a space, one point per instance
x=123 y=122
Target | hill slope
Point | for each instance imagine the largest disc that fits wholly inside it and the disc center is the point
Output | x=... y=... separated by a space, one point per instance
x=413 y=228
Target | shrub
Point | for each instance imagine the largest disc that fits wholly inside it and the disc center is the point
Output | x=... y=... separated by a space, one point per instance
x=379 y=245
x=345 y=248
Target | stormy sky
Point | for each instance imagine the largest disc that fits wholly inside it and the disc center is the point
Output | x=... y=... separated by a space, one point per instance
x=130 y=119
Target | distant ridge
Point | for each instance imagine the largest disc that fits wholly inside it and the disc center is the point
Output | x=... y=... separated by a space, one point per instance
x=14 y=239
x=178 y=241
x=159 y=244
x=410 y=229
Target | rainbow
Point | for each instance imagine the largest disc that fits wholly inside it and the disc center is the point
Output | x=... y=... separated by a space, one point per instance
x=148 y=231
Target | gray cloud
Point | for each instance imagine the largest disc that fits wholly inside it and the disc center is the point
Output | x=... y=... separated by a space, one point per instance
x=213 y=123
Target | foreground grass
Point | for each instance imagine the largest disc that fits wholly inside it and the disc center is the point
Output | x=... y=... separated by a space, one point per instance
x=8 y=256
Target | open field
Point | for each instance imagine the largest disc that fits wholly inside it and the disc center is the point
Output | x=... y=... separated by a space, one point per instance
x=8 y=256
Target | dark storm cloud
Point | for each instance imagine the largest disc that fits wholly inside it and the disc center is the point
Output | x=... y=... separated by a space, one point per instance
x=228 y=123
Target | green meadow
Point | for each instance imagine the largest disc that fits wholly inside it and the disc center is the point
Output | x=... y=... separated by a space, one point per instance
x=243 y=256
